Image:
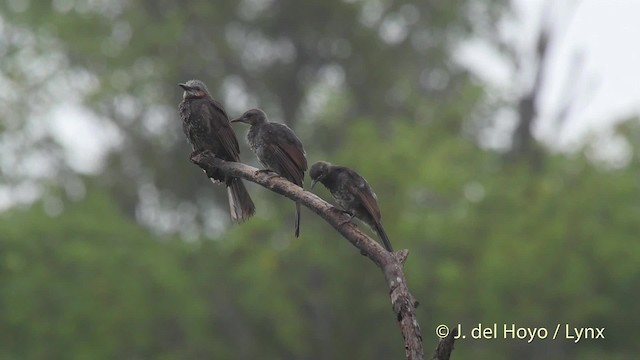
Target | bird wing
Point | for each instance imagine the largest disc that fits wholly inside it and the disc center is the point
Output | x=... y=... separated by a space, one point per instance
x=359 y=187
x=290 y=153
x=219 y=127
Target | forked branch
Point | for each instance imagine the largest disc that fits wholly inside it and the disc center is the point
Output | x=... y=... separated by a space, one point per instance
x=402 y=301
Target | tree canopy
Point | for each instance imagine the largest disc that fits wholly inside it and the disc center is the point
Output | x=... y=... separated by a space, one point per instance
x=137 y=258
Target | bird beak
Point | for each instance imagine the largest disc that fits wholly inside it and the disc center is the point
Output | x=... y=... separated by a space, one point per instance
x=184 y=86
x=313 y=183
x=240 y=119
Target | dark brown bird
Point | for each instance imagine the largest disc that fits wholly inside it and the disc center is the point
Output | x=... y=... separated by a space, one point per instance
x=353 y=194
x=206 y=125
x=278 y=149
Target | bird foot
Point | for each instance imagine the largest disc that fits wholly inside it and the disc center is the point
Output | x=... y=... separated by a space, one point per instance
x=351 y=216
x=197 y=155
x=271 y=173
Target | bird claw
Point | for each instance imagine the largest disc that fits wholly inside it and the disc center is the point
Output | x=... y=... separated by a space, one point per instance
x=351 y=216
x=194 y=155
x=271 y=173
x=197 y=154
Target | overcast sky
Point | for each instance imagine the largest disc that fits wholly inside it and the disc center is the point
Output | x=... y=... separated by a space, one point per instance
x=607 y=32
x=604 y=32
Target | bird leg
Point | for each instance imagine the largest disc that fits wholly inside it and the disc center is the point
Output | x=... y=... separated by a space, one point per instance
x=195 y=154
x=196 y=157
x=267 y=171
x=351 y=216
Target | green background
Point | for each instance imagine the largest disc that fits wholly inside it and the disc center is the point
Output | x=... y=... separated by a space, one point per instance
x=136 y=259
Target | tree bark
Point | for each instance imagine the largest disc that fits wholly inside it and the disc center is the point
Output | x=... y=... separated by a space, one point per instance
x=445 y=346
x=403 y=303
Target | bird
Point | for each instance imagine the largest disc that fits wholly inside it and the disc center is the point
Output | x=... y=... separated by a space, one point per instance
x=206 y=126
x=277 y=148
x=352 y=193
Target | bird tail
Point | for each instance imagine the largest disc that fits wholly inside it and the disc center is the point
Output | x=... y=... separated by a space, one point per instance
x=383 y=235
x=297 y=219
x=240 y=203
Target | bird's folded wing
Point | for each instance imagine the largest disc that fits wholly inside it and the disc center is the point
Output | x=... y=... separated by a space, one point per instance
x=290 y=153
x=292 y=159
x=228 y=138
x=363 y=192
x=219 y=126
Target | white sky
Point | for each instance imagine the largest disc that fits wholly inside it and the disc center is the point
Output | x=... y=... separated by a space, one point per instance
x=605 y=32
x=608 y=32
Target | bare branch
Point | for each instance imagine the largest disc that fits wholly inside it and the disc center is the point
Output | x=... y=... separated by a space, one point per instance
x=523 y=142
x=445 y=346
x=402 y=301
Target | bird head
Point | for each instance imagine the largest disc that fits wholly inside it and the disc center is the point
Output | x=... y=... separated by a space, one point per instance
x=194 y=89
x=319 y=171
x=252 y=117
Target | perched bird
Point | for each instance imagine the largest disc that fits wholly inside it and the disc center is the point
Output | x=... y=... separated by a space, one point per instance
x=353 y=194
x=206 y=125
x=278 y=149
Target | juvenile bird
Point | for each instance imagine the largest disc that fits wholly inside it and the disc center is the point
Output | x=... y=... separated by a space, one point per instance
x=206 y=125
x=353 y=194
x=278 y=149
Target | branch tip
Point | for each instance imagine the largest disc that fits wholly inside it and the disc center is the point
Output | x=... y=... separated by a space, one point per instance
x=390 y=263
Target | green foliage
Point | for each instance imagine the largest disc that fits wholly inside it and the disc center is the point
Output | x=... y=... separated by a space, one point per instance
x=494 y=242
x=490 y=239
x=126 y=57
